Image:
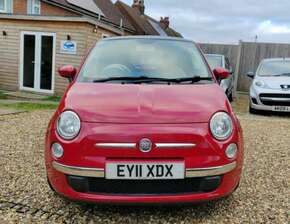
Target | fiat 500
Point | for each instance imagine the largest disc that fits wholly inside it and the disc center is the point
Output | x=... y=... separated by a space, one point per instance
x=144 y=121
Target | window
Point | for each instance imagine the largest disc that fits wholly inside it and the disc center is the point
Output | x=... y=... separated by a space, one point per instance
x=214 y=60
x=274 y=67
x=143 y=57
x=6 y=6
x=3 y=6
x=33 y=7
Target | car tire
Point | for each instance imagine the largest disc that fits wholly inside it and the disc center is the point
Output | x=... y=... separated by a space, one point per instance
x=253 y=111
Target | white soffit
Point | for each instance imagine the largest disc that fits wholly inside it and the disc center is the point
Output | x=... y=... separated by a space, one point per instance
x=88 y=5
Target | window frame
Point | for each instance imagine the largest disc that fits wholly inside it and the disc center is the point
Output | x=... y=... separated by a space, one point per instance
x=31 y=7
x=5 y=10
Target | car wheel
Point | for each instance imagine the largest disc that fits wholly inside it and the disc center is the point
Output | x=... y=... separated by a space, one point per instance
x=253 y=111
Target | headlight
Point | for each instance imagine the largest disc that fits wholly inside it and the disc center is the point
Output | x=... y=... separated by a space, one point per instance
x=260 y=84
x=68 y=125
x=221 y=126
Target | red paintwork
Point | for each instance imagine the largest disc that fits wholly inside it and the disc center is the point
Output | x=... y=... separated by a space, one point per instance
x=145 y=103
x=221 y=73
x=67 y=71
x=128 y=113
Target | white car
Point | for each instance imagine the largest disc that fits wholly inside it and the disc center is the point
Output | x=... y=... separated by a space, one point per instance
x=219 y=60
x=270 y=90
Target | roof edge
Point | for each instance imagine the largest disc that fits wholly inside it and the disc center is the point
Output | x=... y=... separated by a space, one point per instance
x=84 y=12
x=62 y=19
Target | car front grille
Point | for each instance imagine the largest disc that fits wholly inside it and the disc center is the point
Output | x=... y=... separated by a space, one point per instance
x=272 y=99
x=275 y=95
x=144 y=187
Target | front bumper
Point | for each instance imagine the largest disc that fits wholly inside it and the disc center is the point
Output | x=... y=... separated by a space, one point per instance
x=217 y=182
x=275 y=100
x=204 y=160
x=100 y=173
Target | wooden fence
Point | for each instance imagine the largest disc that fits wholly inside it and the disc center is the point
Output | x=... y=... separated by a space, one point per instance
x=246 y=57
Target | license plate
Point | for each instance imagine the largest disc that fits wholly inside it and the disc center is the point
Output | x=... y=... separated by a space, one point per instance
x=282 y=108
x=145 y=171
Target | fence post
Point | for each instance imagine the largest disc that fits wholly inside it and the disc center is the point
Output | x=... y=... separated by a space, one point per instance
x=237 y=70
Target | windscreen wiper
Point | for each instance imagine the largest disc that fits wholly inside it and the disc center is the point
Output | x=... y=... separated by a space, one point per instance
x=129 y=78
x=283 y=74
x=144 y=79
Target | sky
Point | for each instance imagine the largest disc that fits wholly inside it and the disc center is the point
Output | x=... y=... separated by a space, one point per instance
x=225 y=21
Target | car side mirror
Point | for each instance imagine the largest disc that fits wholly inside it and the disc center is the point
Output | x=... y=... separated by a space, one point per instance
x=251 y=75
x=68 y=71
x=221 y=73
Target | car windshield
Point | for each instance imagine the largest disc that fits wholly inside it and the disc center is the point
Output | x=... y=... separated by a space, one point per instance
x=214 y=61
x=274 y=68
x=149 y=58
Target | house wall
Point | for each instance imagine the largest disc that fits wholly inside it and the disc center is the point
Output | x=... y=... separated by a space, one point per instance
x=50 y=10
x=82 y=33
x=20 y=8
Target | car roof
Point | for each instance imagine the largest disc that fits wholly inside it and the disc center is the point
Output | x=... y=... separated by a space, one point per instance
x=148 y=37
x=275 y=59
x=219 y=55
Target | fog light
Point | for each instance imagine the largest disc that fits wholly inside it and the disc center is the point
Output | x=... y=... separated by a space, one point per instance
x=57 y=150
x=231 y=151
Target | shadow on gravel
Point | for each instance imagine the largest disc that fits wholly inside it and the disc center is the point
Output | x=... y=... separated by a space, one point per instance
x=272 y=114
x=144 y=212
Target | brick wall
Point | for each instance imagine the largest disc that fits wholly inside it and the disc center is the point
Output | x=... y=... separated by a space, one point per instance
x=20 y=8
x=50 y=10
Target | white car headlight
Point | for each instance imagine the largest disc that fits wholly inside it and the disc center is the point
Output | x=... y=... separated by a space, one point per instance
x=68 y=125
x=259 y=83
x=221 y=126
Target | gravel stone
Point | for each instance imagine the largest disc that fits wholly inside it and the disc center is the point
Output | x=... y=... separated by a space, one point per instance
x=263 y=196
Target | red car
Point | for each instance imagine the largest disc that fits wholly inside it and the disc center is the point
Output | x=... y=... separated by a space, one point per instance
x=144 y=121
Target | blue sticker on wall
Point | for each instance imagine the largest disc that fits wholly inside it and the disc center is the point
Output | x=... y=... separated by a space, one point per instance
x=68 y=47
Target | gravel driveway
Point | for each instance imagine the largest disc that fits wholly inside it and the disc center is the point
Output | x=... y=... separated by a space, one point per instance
x=263 y=196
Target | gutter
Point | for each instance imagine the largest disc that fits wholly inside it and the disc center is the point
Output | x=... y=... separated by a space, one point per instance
x=63 y=19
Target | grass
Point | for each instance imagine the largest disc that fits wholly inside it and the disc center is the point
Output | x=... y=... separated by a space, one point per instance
x=30 y=106
x=2 y=96
x=52 y=98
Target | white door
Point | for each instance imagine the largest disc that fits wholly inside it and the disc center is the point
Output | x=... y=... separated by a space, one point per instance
x=37 y=62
